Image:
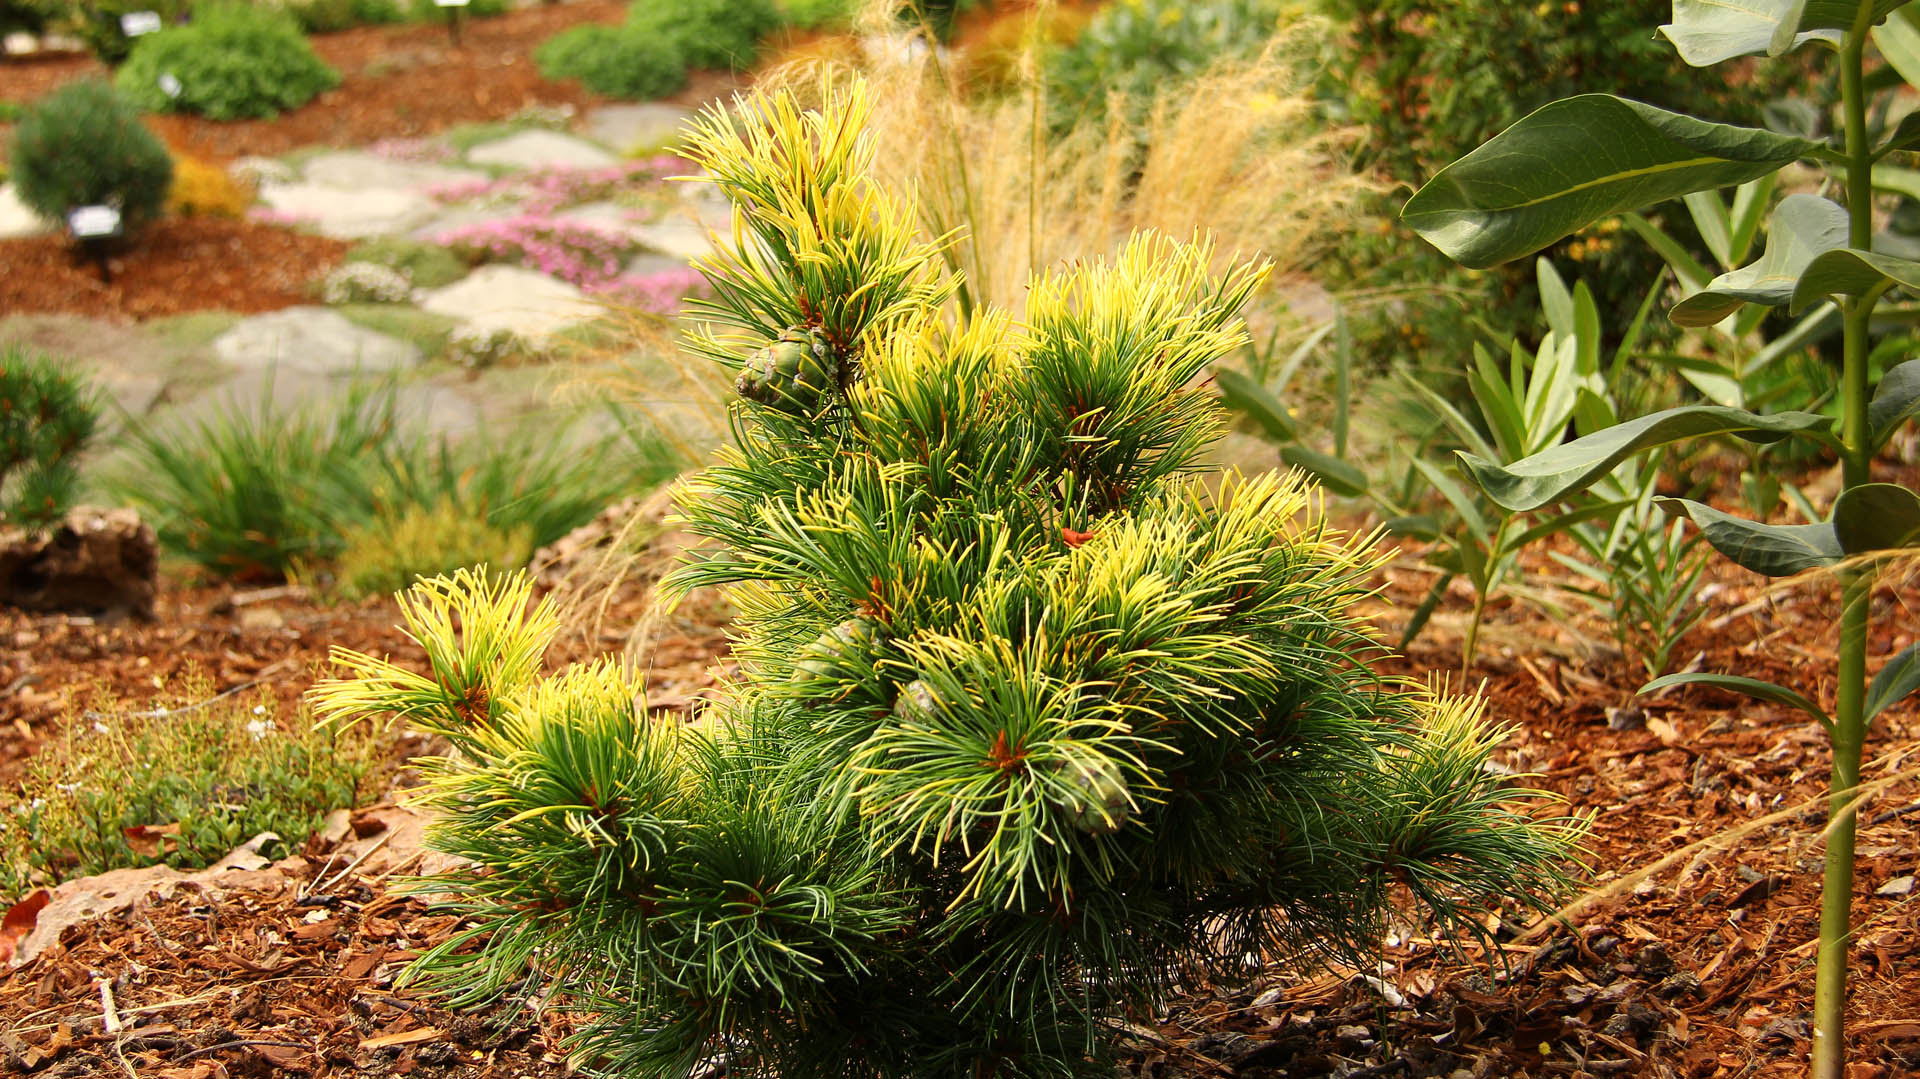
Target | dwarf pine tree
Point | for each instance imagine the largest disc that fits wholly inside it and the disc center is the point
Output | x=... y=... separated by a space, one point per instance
x=1032 y=724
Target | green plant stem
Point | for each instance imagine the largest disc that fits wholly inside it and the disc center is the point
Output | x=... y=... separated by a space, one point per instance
x=1849 y=721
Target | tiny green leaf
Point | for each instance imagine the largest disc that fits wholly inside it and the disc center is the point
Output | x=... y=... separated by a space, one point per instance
x=1705 y=32
x=1851 y=273
x=1552 y=474
x=1895 y=682
x=1802 y=226
x=1334 y=474
x=1571 y=163
x=1876 y=517
x=1896 y=398
x=1244 y=395
x=1771 y=550
x=1750 y=687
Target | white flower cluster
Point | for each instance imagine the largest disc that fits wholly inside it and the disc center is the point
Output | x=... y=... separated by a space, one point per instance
x=366 y=282
x=480 y=348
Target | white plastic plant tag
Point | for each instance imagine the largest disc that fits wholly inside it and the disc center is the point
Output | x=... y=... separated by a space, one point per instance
x=135 y=23
x=87 y=222
x=451 y=3
x=169 y=85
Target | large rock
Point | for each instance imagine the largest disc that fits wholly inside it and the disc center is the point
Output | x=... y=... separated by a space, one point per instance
x=96 y=561
x=509 y=299
x=15 y=218
x=346 y=213
x=538 y=149
x=683 y=239
x=626 y=128
x=311 y=340
x=356 y=169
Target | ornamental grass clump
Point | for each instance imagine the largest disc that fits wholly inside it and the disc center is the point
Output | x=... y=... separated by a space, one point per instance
x=1032 y=723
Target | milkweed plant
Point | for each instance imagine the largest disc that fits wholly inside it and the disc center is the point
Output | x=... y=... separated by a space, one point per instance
x=1032 y=723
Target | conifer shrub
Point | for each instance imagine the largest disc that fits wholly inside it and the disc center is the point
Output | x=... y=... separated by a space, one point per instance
x=82 y=145
x=618 y=61
x=1032 y=722
x=232 y=62
x=709 y=33
x=47 y=417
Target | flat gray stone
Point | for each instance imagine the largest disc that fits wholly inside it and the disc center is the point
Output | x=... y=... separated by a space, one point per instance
x=641 y=265
x=537 y=149
x=606 y=216
x=15 y=218
x=358 y=169
x=523 y=302
x=683 y=239
x=311 y=341
x=625 y=128
x=349 y=214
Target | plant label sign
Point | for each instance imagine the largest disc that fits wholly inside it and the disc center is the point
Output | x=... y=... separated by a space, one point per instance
x=451 y=3
x=135 y=23
x=169 y=85
x=91 y=222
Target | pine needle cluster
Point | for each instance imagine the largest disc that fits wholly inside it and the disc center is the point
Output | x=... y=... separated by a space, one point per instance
x=1033 y=721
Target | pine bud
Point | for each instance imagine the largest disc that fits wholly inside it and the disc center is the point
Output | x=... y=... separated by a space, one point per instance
x=793 y=374
x=917 y=703
x=844 y=650
x=1095 y=800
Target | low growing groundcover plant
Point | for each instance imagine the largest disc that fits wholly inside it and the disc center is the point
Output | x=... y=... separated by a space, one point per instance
x=1031 y=725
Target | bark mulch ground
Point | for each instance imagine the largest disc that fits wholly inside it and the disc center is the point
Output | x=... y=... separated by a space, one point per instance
x=1693 y=956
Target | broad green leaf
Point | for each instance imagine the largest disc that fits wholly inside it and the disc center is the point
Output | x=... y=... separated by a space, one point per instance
x=1575 y=161
x=1334 y=474
x=1771 y=550
x=1250 y=398
x=1895 y=682
x=1552 y=474
x=1708 y=31
x=1876 y=517
x=1898 y=40
x=1905 y=136
x=1896 y=398
x=1802 y=226
x=1850 y=273
x=1748 y=687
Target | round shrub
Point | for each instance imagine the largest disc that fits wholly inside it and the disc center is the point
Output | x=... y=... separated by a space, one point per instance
x=203 y=189
x=229 y=63
x=83 y=146
x=710 y=33
x=615 y=61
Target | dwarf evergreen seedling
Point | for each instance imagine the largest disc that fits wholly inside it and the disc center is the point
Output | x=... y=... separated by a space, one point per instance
x=82 y=145
x=46 y=420
x=1032 y=723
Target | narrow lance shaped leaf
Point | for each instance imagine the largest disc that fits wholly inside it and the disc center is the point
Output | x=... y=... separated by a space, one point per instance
x=1250 y=398
x=1896 y=398
x=1705 y=32
x=1876 y=517
x=1771 y=550
x=1850 y=273
x=1334 y=474
x=1575 y=161
x=1750 y=687
x=1802 y=227
x=1552 y=474
x=1895 y=682
x=1898 y=40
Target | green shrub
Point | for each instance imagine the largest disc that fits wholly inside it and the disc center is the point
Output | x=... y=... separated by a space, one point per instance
x=618 y=61
x=231 y=62
x=47 y=418
x=173 y=785
x=1133 y=48
x=30 y=16
x=97 y=22
x=408 y=541
x=819 y=14
x=326 y=16
x=475 y=9
x=81 y=146
x=710 y=33
x=256 y=494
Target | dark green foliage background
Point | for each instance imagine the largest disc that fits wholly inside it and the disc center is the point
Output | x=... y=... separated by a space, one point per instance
x=616 y=61
x=710 y=33
x=47 y=417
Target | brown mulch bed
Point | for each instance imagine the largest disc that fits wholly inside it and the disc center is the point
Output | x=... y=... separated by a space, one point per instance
x=1702 y=969
x=174 y=266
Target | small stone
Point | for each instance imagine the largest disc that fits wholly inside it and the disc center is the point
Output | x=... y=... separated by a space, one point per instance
x=311 y=340
x=1896 y=886
x=1354 y=1033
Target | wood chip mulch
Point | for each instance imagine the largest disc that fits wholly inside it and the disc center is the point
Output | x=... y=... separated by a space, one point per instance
x=174 y=266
